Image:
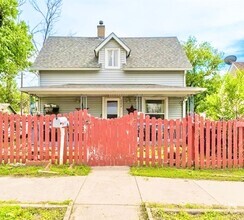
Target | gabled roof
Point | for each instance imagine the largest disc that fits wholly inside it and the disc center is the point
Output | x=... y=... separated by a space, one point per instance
x=75 y=53
x=118 y=40
x=239 y=65
x=236 y=66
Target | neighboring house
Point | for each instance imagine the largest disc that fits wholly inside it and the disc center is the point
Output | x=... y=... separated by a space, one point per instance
x=236 y=66
x=112 y=75
x=6 y=108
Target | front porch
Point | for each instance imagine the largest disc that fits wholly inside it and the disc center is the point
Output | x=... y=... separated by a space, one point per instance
x=116 y=106
x=114 y=100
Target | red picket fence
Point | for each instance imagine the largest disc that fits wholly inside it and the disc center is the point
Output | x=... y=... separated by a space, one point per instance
x=130 y=140
x=191 y=141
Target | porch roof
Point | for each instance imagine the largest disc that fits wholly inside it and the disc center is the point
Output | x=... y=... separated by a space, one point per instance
x=115 y=89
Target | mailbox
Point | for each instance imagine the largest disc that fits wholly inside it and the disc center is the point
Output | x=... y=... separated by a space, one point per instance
x=60 y=122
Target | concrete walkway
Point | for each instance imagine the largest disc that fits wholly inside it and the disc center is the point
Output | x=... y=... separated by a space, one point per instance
x=111 y=193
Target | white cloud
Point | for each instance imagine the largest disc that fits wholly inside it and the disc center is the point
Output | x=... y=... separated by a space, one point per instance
x=221 y=22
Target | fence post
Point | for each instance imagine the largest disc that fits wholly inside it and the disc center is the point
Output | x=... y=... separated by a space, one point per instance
x=196 y=141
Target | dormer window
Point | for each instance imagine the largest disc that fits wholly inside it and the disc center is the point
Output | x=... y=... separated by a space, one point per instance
x=112 y=58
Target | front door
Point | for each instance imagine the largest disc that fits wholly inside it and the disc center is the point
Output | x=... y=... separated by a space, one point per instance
x=111 y=108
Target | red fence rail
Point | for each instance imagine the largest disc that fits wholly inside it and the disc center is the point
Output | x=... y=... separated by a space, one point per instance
x=130 y=140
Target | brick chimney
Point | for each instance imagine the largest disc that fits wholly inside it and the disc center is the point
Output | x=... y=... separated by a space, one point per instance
x=101 y=30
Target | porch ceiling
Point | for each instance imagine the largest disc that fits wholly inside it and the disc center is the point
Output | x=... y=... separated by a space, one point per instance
x=111 y=89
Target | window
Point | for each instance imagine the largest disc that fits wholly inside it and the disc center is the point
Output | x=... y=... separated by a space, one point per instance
x=111 y=107
x=155 y=108
x=112 y=58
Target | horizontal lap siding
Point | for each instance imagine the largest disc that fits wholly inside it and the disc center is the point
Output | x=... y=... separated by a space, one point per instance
x=66 y=104
x=128 y=102
x=48 y=78
x=175 y=107
x=95 y=106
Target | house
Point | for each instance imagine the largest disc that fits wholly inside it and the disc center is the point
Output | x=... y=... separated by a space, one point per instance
x=236 y=66
x=7 y=108
x=111 y=76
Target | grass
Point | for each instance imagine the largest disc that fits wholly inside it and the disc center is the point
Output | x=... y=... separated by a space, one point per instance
x=181 y=212
x=8 y=202
x=166 y=172
x=16 y=212
x=33 y=171
x=12 y=210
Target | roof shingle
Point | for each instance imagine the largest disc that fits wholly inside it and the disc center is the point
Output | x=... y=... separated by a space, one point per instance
x=78 y=52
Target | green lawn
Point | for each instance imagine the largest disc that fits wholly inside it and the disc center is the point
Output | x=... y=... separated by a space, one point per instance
x=34 y=171
x=189 y=212
x=8 y=212
x=166 y=172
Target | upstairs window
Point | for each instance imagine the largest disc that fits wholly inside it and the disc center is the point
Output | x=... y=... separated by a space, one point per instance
x=112 y=58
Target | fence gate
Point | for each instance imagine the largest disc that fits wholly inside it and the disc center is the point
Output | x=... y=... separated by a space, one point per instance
x=111 y=142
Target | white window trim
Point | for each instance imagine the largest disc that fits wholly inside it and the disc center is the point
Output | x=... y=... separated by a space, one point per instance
x=165 y=99
x=106 y=58
x=104 y=106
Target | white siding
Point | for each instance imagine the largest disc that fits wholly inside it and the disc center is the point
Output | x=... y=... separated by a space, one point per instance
x=175 y=107
x=127 y=102
x=66 y=104
x=111 y=77
x=95 y=106
x=112 y=44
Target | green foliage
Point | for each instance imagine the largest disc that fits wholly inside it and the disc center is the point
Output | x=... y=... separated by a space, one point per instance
x=206 y=62
x=228 y=102
x=15 y=49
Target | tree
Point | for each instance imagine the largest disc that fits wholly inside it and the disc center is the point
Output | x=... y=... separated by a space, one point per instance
x=206 y=62
x=15 y=49
x=228 y=102
x=50 y=15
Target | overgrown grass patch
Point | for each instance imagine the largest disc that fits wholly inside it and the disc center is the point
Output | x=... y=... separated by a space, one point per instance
x=8 y=212
x=190 y=212
x=166 y=172
x=34 y=171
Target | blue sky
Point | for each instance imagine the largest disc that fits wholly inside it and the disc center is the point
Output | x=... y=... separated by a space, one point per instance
x=220 y=22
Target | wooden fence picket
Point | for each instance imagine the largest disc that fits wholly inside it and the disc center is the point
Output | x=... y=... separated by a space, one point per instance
x=166 y=145
x=17 y=139
x=196 y=142
x=229 y=144
x=153 y=140
x=190 y=142
x=201 y=137
x=159 y=142
x=178 y=136
x=184 y=148
x=224 y=148
x=241 y=145
x=207 y=145
x=235 y=160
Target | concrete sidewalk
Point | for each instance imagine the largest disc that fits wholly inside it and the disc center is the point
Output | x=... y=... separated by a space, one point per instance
x=111 y=193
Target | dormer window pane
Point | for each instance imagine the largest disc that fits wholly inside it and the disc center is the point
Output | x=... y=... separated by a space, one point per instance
x=112 y=58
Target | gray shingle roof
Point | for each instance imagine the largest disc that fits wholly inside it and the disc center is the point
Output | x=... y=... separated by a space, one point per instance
x=78 y=52
x=239 y=65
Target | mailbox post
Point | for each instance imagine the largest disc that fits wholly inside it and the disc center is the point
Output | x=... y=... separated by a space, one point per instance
x=61 y=123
